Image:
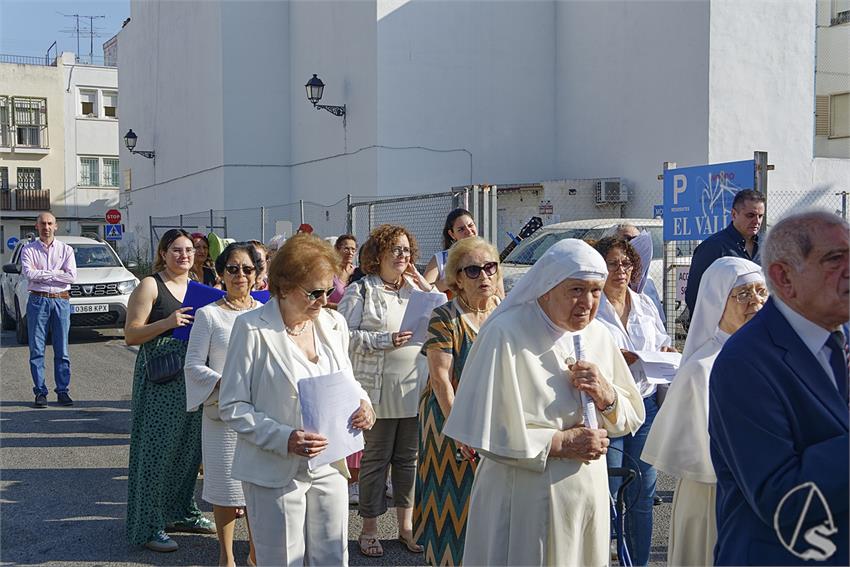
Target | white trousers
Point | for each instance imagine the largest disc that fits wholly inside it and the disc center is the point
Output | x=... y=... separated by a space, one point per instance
x=303 y=523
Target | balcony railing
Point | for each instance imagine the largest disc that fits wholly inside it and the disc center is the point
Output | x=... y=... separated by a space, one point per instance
x=25 y=199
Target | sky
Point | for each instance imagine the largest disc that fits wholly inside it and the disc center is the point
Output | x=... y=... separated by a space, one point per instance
x=28 y=27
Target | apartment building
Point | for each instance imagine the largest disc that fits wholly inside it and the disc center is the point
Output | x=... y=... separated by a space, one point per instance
x=58 y=144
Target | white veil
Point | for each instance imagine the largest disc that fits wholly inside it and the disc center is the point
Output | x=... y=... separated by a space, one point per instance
x=716 y=284
x=569 y=258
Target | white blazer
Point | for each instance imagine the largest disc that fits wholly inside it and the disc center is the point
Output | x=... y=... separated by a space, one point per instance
x=259 y=392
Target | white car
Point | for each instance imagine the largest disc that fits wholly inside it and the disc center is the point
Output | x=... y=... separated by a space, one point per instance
x=520 y=260
x=99 y=295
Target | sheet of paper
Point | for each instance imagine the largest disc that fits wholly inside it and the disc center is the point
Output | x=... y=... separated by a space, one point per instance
x=659 y=367
x=418 y=313
x=327 y=403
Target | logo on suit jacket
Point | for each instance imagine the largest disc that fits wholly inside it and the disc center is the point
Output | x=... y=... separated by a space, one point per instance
x=804 y=524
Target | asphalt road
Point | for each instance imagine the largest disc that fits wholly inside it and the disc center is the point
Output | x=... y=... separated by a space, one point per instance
x=63 y=471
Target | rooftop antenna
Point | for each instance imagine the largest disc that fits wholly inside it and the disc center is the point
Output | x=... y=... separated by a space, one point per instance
x=91 y=31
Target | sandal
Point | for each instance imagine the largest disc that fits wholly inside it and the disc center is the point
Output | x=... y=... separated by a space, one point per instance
x=410 y=543
x=370 y=546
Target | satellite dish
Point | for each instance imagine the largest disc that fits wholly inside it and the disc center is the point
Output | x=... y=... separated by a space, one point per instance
x=217 y=244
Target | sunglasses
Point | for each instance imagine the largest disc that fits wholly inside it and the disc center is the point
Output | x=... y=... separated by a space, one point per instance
x=317 y=293
x=233 y=269
x=474 y=272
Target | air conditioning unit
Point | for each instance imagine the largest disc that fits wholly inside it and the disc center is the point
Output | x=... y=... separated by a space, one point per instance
x=611 y=191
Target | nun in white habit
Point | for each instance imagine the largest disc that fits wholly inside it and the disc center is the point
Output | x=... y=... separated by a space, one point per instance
x=540 y=495
x=731 y=293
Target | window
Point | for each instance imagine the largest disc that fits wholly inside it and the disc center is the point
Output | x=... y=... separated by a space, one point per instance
x=5 y=140
x=89 y=230
x=30 y=121
x=840 y=12
x=88 y=103
x=110 y=104
x=839 y=115
x=29 y=178
x=4 y=178
x=110 y=172
x=89 y=168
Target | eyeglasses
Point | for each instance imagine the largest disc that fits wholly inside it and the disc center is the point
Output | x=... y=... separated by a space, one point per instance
x=179 y=251
x=317 y=293
x=474 y=272
x=233 y=269
x=349 y=249
x=615 y=266
x=398 y=251
x=749 y=296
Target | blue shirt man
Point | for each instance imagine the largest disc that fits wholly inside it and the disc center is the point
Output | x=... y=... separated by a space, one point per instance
x=739 y=239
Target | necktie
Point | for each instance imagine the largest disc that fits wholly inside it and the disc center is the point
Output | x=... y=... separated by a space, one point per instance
x=838 y=362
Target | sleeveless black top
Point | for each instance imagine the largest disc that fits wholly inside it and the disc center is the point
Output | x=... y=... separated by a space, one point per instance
x=164 y=305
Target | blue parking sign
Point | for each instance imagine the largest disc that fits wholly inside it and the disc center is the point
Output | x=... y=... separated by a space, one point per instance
x=114 y=231
x=698 y=200
x=12 y=242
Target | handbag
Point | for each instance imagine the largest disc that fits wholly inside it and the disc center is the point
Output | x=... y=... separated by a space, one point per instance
x=163 y=368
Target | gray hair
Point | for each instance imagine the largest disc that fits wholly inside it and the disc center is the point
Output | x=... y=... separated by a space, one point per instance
x=276 y=242
x=792 y=239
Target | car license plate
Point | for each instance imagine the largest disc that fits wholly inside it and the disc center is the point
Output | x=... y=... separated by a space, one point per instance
x=93 y=308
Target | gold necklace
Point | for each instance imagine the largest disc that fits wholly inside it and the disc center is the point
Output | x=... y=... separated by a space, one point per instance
x=470 y=308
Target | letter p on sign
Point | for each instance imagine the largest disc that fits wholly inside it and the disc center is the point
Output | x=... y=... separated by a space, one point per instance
x=680 y=184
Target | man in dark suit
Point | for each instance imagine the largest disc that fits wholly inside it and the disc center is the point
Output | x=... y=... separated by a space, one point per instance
x=739 y=239
x=778 y=407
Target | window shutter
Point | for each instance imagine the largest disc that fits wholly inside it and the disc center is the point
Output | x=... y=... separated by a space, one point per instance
x=822 y=115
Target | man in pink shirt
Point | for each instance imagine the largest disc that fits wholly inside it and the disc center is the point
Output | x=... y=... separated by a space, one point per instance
x=50 y=268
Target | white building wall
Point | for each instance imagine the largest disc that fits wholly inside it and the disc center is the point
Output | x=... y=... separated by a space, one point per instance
x=833 y=73
x=170 y=81
x=90 y=137
x=762 y=97
x=471 y=75
x=632 y=91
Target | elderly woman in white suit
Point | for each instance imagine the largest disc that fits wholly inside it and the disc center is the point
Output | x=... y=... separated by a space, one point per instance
x=731 y=292
x=540 y=495
x=298 y=516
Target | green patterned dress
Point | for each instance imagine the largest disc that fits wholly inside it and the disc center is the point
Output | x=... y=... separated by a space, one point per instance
x=443 y=484
x=165 y=442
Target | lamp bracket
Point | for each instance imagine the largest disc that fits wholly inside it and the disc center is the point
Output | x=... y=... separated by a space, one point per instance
x=149 y=155
x=335 y=110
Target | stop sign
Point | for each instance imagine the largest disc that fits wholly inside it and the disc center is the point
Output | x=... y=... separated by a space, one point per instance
x=113 y=216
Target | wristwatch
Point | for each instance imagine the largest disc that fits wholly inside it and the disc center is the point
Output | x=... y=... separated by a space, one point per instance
x=609 y=409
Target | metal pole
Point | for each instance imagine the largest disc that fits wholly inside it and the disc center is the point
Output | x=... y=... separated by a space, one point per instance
x=843 y=204
x=225 y=226
x=760 y=182
x=301 y=206
x=371 y=214
x=349 y=216
x=150 y=226
x=668 y=293
x=212 y=221
x=263 y=224
x=181 y=221
x=494 y=213
x=485 y=209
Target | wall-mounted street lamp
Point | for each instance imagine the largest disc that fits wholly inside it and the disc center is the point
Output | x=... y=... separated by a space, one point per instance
x=130 y=141
x=315 y=87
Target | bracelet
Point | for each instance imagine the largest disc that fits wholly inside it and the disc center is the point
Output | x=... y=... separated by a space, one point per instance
x=609 y=409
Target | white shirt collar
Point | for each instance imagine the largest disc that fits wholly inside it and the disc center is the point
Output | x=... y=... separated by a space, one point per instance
x=813 y=335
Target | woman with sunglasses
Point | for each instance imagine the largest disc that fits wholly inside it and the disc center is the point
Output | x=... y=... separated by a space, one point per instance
x=447 y=468
x=298 y=515
x=165 y=439
x=392 y=372
x=731 y=292
x=635 y=324
x=208 y=341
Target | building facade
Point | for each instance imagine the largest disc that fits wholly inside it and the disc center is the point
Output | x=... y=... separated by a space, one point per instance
x=441 y=94
x=58 y=145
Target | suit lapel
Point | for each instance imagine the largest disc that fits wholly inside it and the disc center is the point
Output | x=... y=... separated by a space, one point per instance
x=803 y=363
x=274 y=333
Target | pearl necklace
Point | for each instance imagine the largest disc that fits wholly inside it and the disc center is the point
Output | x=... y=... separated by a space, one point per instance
x=468 y=307
x=292 y=332
x=234 y=308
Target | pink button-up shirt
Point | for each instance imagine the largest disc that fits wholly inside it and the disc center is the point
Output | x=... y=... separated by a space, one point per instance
x=49 y=269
